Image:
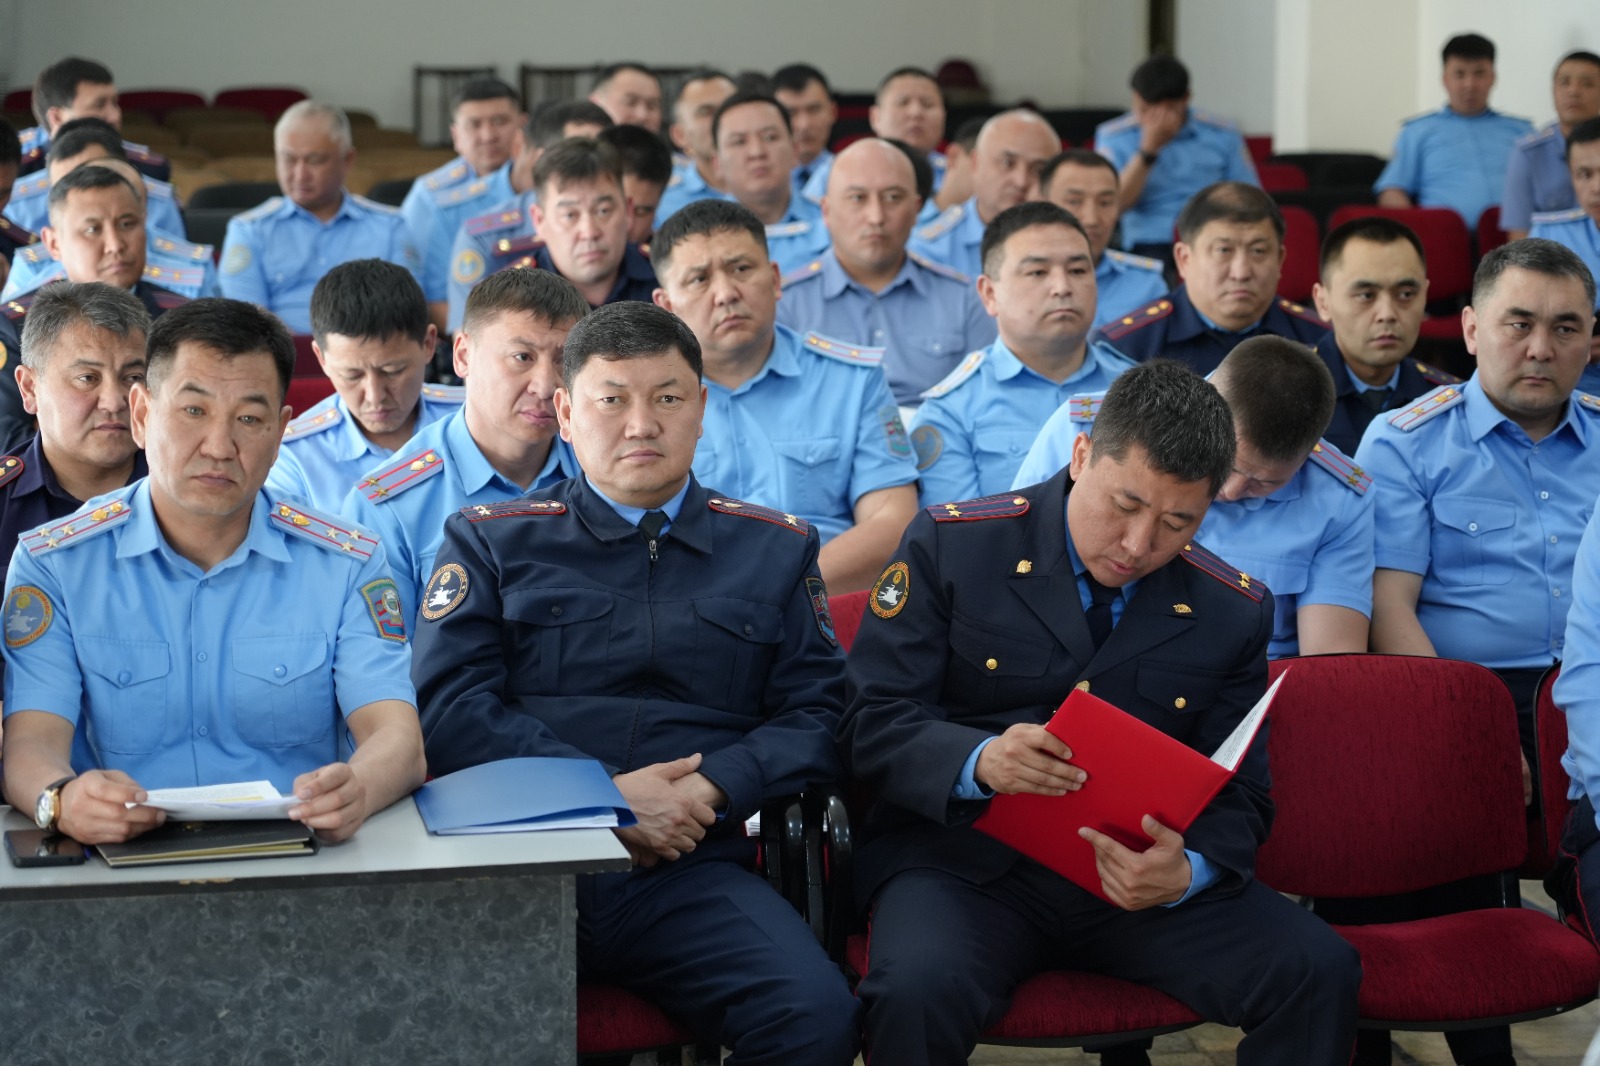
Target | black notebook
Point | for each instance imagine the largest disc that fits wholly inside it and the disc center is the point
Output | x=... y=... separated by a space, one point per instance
x=212 y=842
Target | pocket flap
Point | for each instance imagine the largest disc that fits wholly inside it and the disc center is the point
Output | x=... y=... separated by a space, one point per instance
x=125 y=662
x=1472 y=515
x=761 y=623
x=997 y=652
x=812 y=451
x=556 y=606
x=1177 y=689
x=280 y=660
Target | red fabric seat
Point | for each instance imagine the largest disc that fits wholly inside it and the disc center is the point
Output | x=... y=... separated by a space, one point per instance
x=270 y=101
x=1490 y=235
x=847 y=610
x=306 y=393
x=17 y=100
x=157 y=102
x=1302 y=244
x=1260 y=147
x=612 y=1020
x=1550 y=743
x=1281 y=177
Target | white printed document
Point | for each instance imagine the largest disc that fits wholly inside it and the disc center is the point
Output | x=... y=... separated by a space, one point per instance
x=221 y=803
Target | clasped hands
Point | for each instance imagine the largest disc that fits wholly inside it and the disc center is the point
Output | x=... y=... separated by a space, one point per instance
x=674 y=803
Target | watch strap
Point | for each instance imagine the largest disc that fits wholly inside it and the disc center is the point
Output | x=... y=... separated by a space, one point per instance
x=53 y=790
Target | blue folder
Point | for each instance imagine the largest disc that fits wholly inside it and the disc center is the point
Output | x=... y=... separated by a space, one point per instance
x=519 y=795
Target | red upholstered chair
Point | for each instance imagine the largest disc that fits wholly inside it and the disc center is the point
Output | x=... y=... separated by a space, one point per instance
x=306 y=393
x=1397 y=773
x=847 y=610
x=1281 y=177
x=1490 y=235
x=1302 y=242
x=1448 y=248
x=1260 y=146
x=1550 y=743
x=157 y=102
x=17 y=100
x=270 y=100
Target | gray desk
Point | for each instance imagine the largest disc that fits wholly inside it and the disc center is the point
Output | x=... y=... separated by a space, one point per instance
x=396 y=948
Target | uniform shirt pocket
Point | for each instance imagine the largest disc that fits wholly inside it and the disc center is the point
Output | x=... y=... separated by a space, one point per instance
x=810 y=482
x=735 y=643
x=1177 y=690
x=1473 y=540
x=990 y=665
x=126 y=685
x=282 y=690
x=562 y=630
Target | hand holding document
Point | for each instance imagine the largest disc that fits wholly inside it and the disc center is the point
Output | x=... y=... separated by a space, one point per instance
x=242 y=800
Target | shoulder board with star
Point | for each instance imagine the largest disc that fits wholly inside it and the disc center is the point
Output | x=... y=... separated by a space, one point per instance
x=1004 y=505
x=854 y=354
x=183 y=249
x=780 y=230
x=461 y=194
x=445 y=393
x=1587 y=401
x=812 y=269
x=1300 y=311
x=727 y=505
x=1136 y=320
x=944 y=223
x=390 y=481
x=936 y=267
x=141 y=153
x=160 y=190
x=266 y=209
x=372 y=205
x=15 y=309
x=166 y=299
x=1530 y=139
x=324 y=415
x=446 y=175
x=1327 y=457
x=32 y=159
x=1427 y=407
x=170 y=275
x=1434 y=375
x=16 y=234
x=1231 y=576
x=37 y=185
x=10 y=469
x=334 y=534
x=1084 y=407
x=76 y=528
x=35 y=254
x=1135 y=262
x=519 y=245
x=493 y=221
x=1552 y=218
x=951 y=381
x=482 y=512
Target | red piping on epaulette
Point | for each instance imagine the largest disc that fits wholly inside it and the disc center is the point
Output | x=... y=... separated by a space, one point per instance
x=1003 y=506
x=765 y=514
x=1211 y=565
x=482 y=512
x=1122 y=327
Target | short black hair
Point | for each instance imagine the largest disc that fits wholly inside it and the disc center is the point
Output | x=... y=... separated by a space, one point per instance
x=57 y=84
x=523 y=290
x=644 y=155
x=577 y=159
x=1375 y=228
x=77 y=136
x=796 y=76
x=753 y=81
x=1535 y=254
x=369 y=299
x=1584 y=132
x=231 y=328
x=1280 y=393
x=1228 y=201
x=1160 y=78
x=85 y=178
x=1178 y=418
x=966 y=134
x=1580 y=56
x=701 y=219
x=921 y=169
x=908 y=72
x=483 y=89
x=1078 y=157
x=698 y=75
x=550 y=119
x=1467 y=46
x=739 y=99
x=10 y=145
x=1014 y=220
x=611 y=70
x=627 y=329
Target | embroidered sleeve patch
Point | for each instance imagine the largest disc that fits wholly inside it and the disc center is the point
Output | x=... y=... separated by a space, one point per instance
x=28 y=614
x=889 y=595
x=819 y=607
x=446 y=591
x=894 y=431
x=929 y=443
x=383 y=603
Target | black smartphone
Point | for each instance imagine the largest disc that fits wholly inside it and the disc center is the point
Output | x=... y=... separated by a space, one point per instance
x=43 y=847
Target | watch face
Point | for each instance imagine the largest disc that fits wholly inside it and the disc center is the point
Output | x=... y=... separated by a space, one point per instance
x=44 y=808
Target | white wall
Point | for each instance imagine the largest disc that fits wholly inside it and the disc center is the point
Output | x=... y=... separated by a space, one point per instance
x=1060 y=52
x=1229 y=47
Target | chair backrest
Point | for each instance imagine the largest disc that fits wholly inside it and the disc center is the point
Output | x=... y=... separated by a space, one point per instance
x=158 y=102
x=187 y=118
x=1390 y=773
x=225 y=139
x=18 y=100
x=1550 y=743
x=847 y=609
x=1260 y=147
x=1490 y=235
x=1281 y=177
x=241 y=195
x=1444 y=239
x=208 y=225
x=306 y=393
x=1302 y=244
x=306 y=364
x=391 y=192
x=270 y=101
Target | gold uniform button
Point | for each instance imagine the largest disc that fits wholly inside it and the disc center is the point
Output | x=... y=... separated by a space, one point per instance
x=1082 y=686
x=991 y=664
x=1180 y=703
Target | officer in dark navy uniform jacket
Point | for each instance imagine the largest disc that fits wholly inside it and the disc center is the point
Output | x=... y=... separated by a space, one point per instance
x=634 y=616
x=1230 y=255
x=991 y=612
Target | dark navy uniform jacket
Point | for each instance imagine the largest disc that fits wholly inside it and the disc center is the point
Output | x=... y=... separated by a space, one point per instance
x=1171 y=328
x=1351 y=416
x=12 y=237
x=569 y=640
x=636 y=279
x=983 y=627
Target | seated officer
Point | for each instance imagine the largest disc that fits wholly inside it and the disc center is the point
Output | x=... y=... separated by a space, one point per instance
x=909 y=108
x=1085 y=183
x=1576 y=882
x=990 y=612
x=974 y=427
x=800 y=423
x=646 y=169
x=1011 y=153
x=274 y=254
x=924 y=315
x=1537 y=180
x=12 y=236
x=1165 y=151
x=755 y=158
x=698 y=722
x=485 y=128
x=76 y=142
x=506 y=232
x=1373 y=291
x=803 y=91
x=73 y=88
x=694 y=176
x=498 y=445
x=146 y=644
x=170 y=261
x=1455 y=157
x=1229 y=255
x=1579 y=229
x=373 y=340
x=630 y=94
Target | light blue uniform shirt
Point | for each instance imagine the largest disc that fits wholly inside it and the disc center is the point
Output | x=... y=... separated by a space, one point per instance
x=810 y=434
x=1490 y=519
x=1207 y=149
x=632 y=515
x=1575 y=229
x=434 y=475
x=955 y=238
x=169 y=261
x=482 y=240
x=685 y=187
x=435 y=208
x=925 y=320
x=1537 y=178
x=802 y=174
x=274 y=254
x=30 y=204
x=975 y=427
x=324 y=452
x=1442 y=159
x=1125 y=282
x=799 y=238
x=182 y=677
x=1577 y=690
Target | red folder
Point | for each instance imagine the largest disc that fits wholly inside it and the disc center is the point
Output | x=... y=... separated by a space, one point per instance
x=1134 y=769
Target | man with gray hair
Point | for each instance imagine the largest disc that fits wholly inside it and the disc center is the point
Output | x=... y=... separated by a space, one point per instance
x=274 y=254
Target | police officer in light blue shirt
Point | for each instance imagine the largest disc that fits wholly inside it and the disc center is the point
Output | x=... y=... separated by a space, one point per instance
x=485 y=128
x=1166 y=151
x=192 y=629
x=1576 y=693
x=923 y=314
x=500 y=444
x=1579 y=227
x=755 y=156
x=699 y=96
x=74 y=88
x=374 y=341
x=170 y=262
x=974 y=427
x=1455 y=157
x=1536 y=175
x=1085 y=183
x=91 y=140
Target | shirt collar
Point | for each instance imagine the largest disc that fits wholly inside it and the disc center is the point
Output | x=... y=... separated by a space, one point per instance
x=142 y=534
x=471 y=466
x=1483 y=417
x=605 y=519
x=835 y=280
x=632 y=515
x=784 y=360
x=1361 y=386
x=1251 y=328
x=347 y=209
x=1007 y=365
